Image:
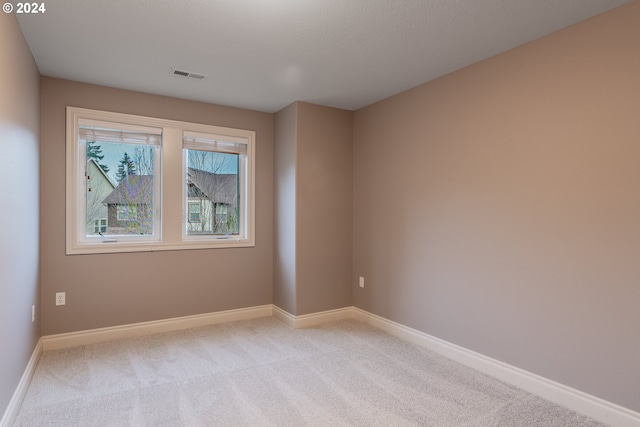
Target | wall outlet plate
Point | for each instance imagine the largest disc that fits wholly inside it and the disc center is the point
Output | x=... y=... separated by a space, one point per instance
x=361 y=282
x=61 y=298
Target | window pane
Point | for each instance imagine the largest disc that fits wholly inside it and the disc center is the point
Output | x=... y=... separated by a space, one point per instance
x=212 y=186
x=194 y=212
x=119 y=188
x=100 y=226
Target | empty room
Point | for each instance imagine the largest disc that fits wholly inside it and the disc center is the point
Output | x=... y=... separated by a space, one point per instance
x=301 y=212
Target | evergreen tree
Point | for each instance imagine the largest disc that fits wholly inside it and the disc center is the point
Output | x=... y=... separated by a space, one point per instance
x=126 y=167
x=95 y=152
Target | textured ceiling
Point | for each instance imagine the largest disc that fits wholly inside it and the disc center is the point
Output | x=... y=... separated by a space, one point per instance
x=265 y=54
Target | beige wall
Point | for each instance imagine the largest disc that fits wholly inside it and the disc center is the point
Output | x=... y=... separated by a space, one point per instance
x=314 y=160
x=115 y=289
x=324 y=208
x=498 y=208
x=19 y=146
x=284 y=267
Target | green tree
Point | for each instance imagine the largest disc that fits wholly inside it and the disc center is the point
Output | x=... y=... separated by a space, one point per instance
x=95 y=152
x=126 y=167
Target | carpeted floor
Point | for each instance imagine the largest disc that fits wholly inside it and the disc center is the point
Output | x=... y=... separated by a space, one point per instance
x=261 y=372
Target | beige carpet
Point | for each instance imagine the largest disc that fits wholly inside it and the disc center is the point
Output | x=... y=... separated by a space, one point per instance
x=262 y=373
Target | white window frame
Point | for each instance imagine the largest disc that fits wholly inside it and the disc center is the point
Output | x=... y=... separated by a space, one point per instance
x=171 y=213
x=219 y=143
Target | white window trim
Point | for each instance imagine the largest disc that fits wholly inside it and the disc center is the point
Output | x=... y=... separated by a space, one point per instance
x=170 y=235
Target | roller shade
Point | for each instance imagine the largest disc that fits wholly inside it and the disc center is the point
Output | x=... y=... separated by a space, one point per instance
x=93 y=130
x=207 y=142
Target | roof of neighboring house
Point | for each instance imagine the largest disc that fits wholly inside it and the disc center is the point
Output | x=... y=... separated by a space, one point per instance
x=138 y=189
x=217 y=187
x=102 y=172
x=132 y=190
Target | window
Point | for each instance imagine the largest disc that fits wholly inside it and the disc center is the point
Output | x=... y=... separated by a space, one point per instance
x=115 y=179
x=127 y=213
x=194 y=212
x=221 y=209
x=215 y=178
x=127 y=189
x=100 y=226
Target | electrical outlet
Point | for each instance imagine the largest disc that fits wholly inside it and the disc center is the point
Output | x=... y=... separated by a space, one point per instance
x=61 y=298
x=361 y=282
x=33 y=313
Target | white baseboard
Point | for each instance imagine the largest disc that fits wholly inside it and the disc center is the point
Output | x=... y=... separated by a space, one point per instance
x=309 y=320
x=284 y=316
x=92 y=336
x=591 y=406
x=12 y=410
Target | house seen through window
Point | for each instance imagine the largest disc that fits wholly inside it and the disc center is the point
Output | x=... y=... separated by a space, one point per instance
x=212 y=192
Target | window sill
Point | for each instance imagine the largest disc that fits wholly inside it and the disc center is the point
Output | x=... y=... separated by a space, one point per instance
x=125 y=247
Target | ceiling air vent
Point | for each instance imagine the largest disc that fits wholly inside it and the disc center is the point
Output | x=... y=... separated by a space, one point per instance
x=184 y=73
